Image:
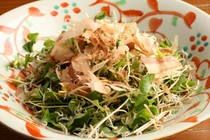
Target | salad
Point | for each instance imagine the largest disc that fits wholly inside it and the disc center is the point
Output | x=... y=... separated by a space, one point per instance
x=102 y=79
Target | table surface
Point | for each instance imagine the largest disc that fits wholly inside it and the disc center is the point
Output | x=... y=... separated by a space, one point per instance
x=200 y=132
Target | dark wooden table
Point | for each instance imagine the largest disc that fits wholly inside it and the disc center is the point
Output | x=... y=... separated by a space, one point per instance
x=200 y=132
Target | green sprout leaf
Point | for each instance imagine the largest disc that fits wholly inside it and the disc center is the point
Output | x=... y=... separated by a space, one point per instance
x=73 y=105
x=107 y=132
x=85 y=29
x=181 y=80
x=154 y=110
x=94 y=95
x=80 y=119
x=165 y=44
x=49 y=117
x=140 y=101
x=49 y=43
x=101 y=16
x=117 y=43
x=135 y=64
x=51 y=96
x=34 y=94
x=29 y=45
x=52 y=76
x=18 y=62
x=28 y=58
x=146 y=83
x=33 y=37
x=120 y=64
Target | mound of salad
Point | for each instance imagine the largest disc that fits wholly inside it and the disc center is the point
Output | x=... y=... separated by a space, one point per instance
x=102 y=79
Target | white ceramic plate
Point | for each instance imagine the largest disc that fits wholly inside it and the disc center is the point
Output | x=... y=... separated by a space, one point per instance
x=49 y=18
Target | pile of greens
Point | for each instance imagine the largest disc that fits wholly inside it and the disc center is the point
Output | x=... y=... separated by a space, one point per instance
x=91 y=114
